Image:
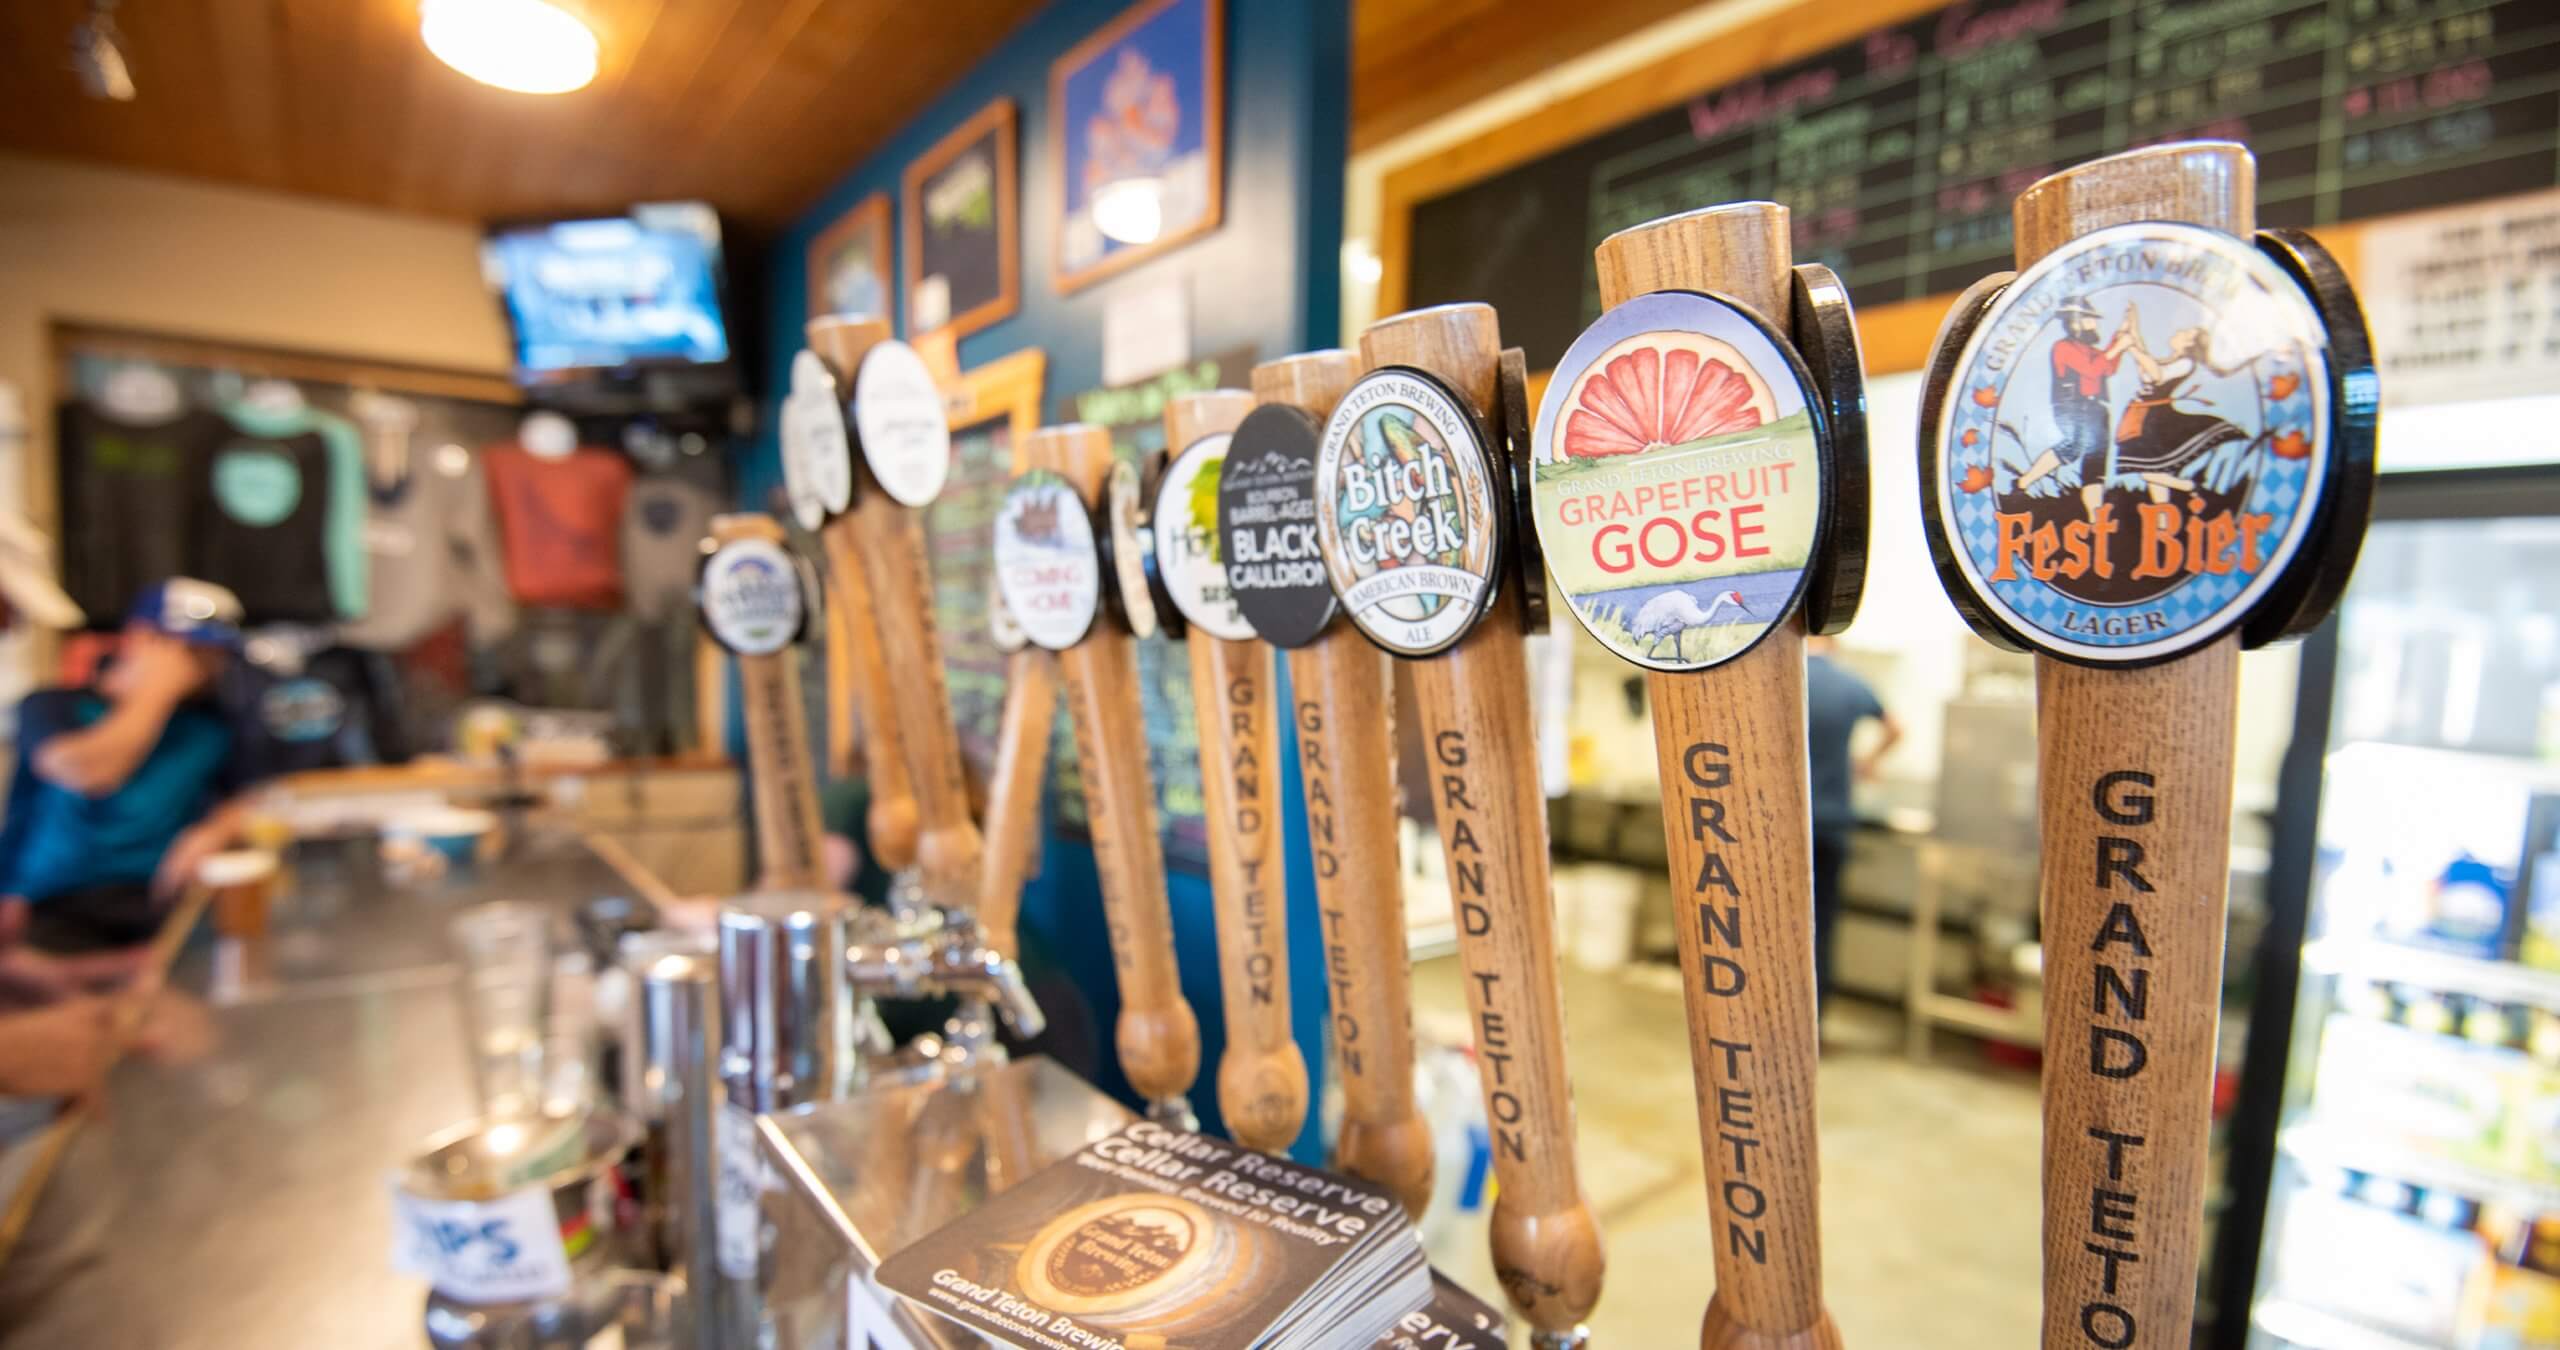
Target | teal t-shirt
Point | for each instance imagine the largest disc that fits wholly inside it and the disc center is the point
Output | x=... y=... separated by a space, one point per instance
x=56 y=841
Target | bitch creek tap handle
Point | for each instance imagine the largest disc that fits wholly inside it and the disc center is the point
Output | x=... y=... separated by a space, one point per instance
x=1406 y=493
x=753 y=605
x=1158 y=1037
x=1262 y=1077
x=1726 y=694
x=2194 y=477
x=1344 y=716
x=899 y=428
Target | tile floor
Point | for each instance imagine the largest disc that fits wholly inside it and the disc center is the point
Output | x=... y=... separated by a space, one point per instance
x=1929 y=1185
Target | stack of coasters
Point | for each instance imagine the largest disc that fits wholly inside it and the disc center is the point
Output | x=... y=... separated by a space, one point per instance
x=1158 y=1236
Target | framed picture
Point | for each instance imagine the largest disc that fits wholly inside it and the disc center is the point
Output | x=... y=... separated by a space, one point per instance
x=849 y=265
x=963 y=252
x=1137 y=121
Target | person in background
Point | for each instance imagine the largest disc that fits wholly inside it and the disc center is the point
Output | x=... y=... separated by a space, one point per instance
x=123 y=787
x=1835 y=702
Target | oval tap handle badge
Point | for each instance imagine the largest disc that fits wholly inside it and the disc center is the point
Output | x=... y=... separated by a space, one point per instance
x=1826 y=336
x=817 y=450
x=1682 y=479
x=1528 y=560
x=899 y=422
x=1190 y=560
x=1411 y=518
x=1128 y=554
x=753 y=597
x=1047 y=565
x=2156 y=433
x=1266 y=522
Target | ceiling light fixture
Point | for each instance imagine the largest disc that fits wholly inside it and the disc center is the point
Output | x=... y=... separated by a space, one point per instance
x=97 y=55
x=523 y=45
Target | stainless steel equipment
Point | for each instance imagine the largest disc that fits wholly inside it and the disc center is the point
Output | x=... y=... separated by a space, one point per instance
x=571 y=1157
x=675 y=1027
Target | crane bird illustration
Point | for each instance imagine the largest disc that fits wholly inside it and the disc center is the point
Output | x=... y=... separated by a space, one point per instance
x=1674 y=612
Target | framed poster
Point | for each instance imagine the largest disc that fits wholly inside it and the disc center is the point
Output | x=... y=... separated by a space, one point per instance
x=1137 y=120
x=849 y=262
x=963 y=254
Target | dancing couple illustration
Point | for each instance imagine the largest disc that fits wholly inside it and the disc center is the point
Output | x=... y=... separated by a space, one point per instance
x=2153 y=439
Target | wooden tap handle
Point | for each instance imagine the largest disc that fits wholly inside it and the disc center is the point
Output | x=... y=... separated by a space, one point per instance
x=1013 y=796
x=892 y=820
x=1262 y=1078
x=1158 y=1037
x=780 y=769
x=1730 y=748
x=1483 y=760
x=889 y=540
x=1345 y=718
x=2133 y=774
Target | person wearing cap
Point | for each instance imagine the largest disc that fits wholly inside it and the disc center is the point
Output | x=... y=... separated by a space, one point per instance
x=121 y=787
x=2081 y=368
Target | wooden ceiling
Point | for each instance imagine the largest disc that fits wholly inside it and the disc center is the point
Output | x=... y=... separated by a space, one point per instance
x=754 y=105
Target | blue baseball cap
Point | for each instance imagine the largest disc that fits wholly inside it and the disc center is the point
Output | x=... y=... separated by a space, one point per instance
x=192 y=611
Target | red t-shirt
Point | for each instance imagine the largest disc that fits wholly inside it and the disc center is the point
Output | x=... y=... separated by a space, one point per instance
x=2074 y=357
x=560 y=524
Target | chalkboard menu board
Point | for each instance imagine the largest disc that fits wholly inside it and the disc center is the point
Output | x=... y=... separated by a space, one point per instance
x=1899 y=154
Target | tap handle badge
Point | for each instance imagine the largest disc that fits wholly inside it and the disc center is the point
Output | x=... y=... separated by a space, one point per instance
x=1412 y=514
x=753 y=594
x=2155 y=434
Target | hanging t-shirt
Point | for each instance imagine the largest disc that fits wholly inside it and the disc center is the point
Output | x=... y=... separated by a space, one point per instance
x=431 y=551
x=662 y=530
x=317 y=708
x=262 y=526
x=129 y=503
x=561 y=523
x=343 y=488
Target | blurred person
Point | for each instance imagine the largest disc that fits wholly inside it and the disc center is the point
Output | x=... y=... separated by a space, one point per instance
x=123 y=787
x=1835 y=702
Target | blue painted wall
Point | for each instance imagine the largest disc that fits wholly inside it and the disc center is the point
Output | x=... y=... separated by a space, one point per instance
x=1268 y=278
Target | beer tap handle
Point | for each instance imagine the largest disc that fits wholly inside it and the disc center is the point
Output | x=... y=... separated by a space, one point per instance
x=1262 y=1078
x=1492 y=817
x=1013 y=798
x=1345 y=721
x=1158 y=1037
x=780 y=771
x=889 y=542
x=892 y=818
x=2126 y=1154
x=1730 y=742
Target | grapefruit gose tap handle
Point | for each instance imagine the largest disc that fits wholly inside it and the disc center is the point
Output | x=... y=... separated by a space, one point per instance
x=1158 y=1037
x=1344 y=715
x=2194 y=477
x=1729 y=734
x=1262 y=1077
x=745 y=607
x=888 y=537
x=1481 y=751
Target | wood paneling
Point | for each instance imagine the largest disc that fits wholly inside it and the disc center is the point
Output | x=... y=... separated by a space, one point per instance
x=753 y=105
x=1414 y=60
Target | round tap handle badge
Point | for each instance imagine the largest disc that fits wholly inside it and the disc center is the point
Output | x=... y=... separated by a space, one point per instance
x=1410 y=523
x=751 y=597
x=1125 y=550
x=1266 y=519
x=1189 y=560
x=1047 y=567
x=899 y=420
x=817 y=451
x=2133 y=446
x=1680 y=479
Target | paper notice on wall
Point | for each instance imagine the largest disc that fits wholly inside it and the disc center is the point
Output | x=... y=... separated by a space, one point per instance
x=2464 y=304
x=1144 y=331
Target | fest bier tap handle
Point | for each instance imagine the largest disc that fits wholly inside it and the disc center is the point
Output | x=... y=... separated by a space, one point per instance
x=1730 y=741
x=1482 y=756
x=2135 y=539
x=1158 y=1037
x=889 y=541
x=780 y=771
x=1013 y=794
x=1345 y=720
x=1262 y=1077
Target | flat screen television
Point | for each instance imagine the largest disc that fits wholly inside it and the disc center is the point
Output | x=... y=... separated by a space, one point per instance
x=612 y=308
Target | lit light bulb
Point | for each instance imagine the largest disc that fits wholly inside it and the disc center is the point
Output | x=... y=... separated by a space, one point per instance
x=523 y=45
x=1130 y=210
